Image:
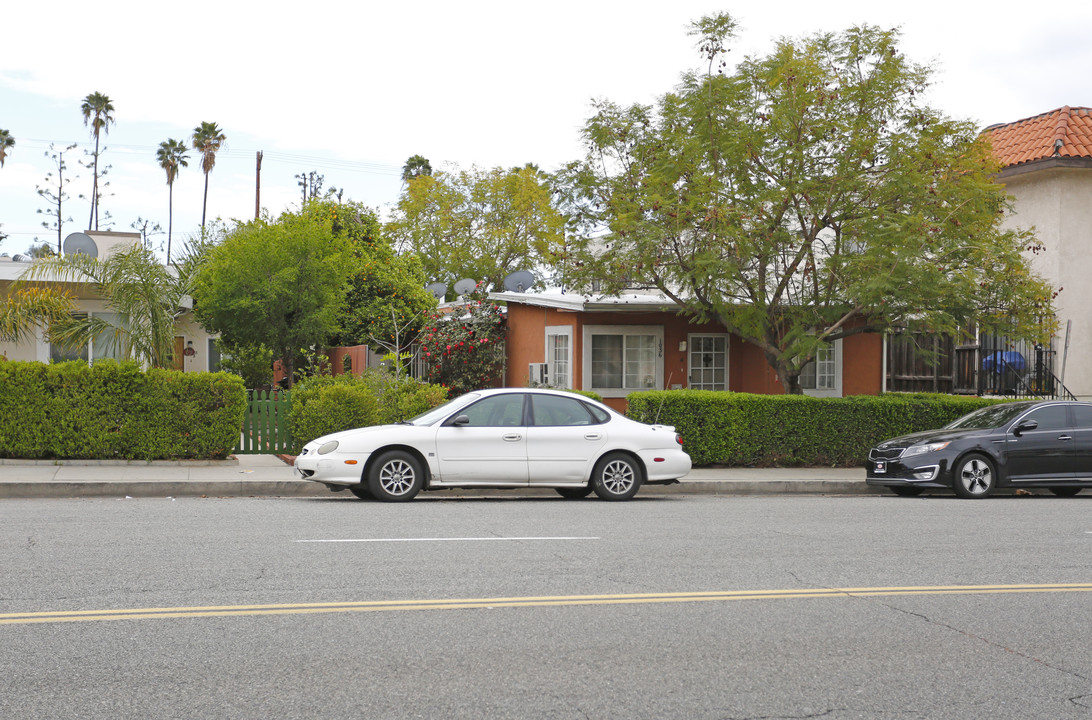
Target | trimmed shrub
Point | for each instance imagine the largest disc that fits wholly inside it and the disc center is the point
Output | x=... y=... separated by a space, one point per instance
x=115 y=410
x=325 y=404
x=767 y=430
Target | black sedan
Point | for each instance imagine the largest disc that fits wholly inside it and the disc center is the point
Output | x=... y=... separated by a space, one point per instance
x=1018 y=445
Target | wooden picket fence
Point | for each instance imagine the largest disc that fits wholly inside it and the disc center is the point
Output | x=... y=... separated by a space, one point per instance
x=265 y=424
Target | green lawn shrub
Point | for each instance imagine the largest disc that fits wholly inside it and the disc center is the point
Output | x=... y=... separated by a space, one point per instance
x=325 y=404
x=117 y=411
x=728 y=428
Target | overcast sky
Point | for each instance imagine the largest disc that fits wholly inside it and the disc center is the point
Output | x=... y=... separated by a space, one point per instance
x=352 y=89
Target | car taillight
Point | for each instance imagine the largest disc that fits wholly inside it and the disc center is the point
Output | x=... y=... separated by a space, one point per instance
x=678 y=438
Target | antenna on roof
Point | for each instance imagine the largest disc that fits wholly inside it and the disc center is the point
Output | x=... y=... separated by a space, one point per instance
x=519 y=281
x=465 y=286
x=438 y=290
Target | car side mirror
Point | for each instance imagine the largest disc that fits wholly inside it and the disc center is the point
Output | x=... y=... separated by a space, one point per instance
x=461 y=420
x=1024 y=427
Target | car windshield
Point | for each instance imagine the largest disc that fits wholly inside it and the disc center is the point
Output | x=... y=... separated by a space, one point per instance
x=994 y=416
x=439 y=413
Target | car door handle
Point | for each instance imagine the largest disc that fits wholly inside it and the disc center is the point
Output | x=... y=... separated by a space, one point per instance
x=593 y=436
x=512 y=437
x=1065 y=437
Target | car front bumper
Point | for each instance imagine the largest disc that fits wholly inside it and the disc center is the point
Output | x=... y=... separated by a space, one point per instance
x=332 y=469
x=923 y=471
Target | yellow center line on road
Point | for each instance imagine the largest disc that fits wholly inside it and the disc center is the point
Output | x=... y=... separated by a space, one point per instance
x=511 y=602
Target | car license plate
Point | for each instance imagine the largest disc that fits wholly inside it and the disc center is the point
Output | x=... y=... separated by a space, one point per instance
x=881 y=467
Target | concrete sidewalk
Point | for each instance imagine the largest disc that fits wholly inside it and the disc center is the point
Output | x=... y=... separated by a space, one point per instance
x=268 y=475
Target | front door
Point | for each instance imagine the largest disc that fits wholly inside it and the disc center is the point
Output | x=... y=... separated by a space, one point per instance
x=1042 y=454
x=178 y=358
x=490 y=448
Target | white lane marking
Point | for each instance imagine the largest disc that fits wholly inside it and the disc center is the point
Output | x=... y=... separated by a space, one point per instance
x=443 y=539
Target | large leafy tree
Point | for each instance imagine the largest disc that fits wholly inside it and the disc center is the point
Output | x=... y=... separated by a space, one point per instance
x=98 y=112
x=478 y=224
x=276 y=284
x=145 y=298
x=208 y=139
x=7 y=142
x=386 y=303
x=806 y=196
x=171 y=156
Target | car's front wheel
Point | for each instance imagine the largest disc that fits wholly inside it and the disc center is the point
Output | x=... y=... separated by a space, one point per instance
x=617 y=476
x=1065 y=491
x=571 y=493
x=974 y=476
x=396 y=476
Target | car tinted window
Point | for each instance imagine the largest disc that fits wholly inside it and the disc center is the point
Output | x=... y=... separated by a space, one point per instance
x=1051 y=417
x=994 y=416
x=496 y=411
x=1082 y=416
x=553 y=411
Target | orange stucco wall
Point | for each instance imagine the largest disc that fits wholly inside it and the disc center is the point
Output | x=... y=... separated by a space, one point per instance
x=748 y=371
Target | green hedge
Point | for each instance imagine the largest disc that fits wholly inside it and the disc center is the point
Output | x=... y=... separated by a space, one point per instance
x=325 y=404
x=741 y=429
x=117 y=411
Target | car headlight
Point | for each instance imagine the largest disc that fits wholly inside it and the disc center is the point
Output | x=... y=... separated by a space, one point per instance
x=327 y=448
x=914 y=449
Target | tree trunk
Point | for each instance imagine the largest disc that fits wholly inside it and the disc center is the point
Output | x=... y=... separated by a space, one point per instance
x=205 y=201
x=170 y=219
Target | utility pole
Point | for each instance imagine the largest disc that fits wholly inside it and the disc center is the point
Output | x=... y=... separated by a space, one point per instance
x=258 y=187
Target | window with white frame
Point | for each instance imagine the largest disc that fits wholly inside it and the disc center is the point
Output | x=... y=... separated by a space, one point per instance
x=106 y=344
x=619 y=359
x=822 y=377
x=708 y=362
x=559 y=355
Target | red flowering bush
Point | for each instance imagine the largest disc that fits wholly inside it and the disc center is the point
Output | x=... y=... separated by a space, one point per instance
x=465 y=349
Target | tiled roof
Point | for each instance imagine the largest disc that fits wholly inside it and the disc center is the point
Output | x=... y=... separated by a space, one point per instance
x=1065 y=132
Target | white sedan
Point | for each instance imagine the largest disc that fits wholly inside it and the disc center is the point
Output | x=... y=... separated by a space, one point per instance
x=501 y=438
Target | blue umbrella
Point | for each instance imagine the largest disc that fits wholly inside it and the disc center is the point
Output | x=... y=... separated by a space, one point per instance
x=1004 y=360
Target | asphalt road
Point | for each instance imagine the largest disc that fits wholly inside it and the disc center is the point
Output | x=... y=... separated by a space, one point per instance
x=664 y=607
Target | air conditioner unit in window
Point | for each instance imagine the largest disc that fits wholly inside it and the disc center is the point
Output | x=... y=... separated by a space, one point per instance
x=538 y=374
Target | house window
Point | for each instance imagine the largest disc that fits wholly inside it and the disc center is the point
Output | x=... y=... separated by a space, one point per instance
x=822 y=377
x=106 y=344
x=559 y=355
x=214 y=355
x=708 y=362
x=619 y=359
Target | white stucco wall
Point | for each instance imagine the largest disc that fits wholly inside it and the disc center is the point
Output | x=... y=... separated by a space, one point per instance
x=1057 y=203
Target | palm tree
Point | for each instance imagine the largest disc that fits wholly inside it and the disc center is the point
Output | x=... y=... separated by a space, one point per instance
x=208 y=139
x=7 y=142
x=98 y=110
x=146 y=297
x=416 y=166
x=25 y=309
x=172 y=157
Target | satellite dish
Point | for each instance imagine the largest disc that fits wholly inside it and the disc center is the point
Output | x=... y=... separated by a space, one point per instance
x=465 y=286
x=79 y=242
x=438 y=289
x=519 y=281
